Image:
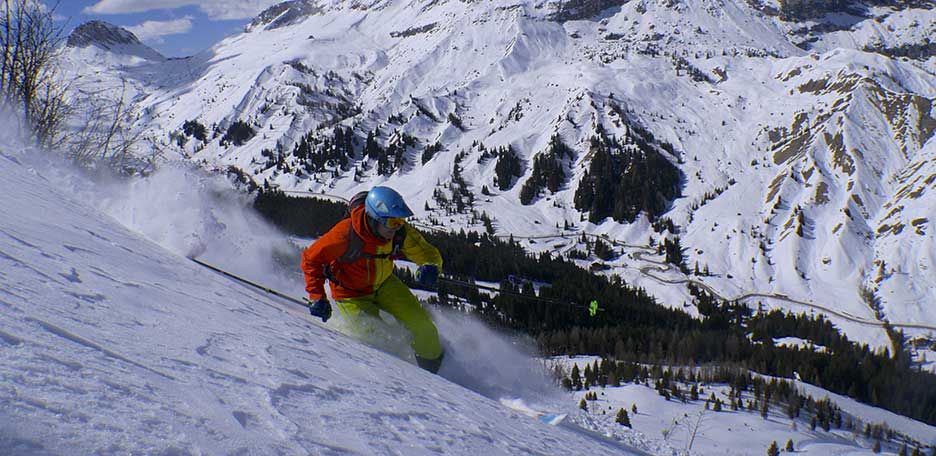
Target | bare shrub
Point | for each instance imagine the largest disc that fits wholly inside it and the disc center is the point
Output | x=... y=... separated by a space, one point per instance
x=30 y=81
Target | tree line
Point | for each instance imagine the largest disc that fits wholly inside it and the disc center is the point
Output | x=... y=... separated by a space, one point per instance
x=632 y=325
x=746 y=393
x=626 y=178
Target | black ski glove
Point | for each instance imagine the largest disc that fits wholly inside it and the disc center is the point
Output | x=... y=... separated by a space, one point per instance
x=321 y=308
x=427 y=276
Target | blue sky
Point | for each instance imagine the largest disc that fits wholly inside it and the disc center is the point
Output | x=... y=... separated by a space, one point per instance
x=175 y=28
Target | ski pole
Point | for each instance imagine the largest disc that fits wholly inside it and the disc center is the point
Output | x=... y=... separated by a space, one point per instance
x=592 y=308
x=253 y=284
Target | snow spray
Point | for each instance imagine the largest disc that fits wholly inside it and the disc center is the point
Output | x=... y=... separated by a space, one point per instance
x=492 y=363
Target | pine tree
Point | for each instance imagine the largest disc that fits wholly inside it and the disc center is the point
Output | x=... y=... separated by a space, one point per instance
x=567 y=383
x=507 y=168
x=675 y=254
x=903 y=450
x=371 y=148
x=877 y=446
x=430 y=152
x=583 y=405
x=773 y=449
x=634 y=409
x=576 y=378
x=196 y=129
x=238 y=133
x=789 y=445
x=613 y=379
x=622 y=418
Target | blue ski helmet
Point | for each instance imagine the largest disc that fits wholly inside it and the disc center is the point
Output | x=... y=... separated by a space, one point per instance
x=384 y=203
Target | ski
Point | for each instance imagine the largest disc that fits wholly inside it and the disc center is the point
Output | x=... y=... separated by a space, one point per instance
x=553 y=419
x=519 y=405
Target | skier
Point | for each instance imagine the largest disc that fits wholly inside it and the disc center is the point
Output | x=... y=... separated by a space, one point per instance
x=356 y=257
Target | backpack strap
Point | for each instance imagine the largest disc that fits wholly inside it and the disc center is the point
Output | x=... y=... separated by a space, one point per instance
x=397 y=247
x=355 y=246
x=356 y=250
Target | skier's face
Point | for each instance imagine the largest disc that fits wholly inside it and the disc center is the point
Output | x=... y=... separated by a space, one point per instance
x=387 y=230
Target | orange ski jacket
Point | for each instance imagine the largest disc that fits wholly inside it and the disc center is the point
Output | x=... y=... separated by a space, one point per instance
x=357 y=263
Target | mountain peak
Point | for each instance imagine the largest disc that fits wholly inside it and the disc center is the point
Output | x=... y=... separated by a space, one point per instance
x=103 y=34
x=284 y=14
x=110 y=37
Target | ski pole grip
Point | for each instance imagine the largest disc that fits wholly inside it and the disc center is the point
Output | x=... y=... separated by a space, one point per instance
x=321 y=308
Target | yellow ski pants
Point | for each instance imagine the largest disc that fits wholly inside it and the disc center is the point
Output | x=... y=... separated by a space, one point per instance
x=396 y=299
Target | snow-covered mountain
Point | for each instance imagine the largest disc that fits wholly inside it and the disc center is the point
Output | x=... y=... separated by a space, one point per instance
x=800 y=132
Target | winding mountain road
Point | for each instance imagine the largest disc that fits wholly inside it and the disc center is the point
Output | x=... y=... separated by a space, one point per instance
x=662 y=267
x=658 y=266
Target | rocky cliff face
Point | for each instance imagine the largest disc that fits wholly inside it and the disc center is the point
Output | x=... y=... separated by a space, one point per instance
x=111 y=38
x=582 y=9
x=797 y=10
x=284 y=14
x=102 y=34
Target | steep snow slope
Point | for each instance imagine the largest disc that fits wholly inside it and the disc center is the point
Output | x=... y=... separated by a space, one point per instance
x=807 y=160
x=111 y=344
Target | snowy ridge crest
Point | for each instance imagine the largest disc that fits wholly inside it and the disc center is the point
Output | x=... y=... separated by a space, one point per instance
x=110 y=38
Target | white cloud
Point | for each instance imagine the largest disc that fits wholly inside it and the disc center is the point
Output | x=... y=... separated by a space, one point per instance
x=215 y=9
x=154 y=30
x=134 y=6
x=237 y=9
